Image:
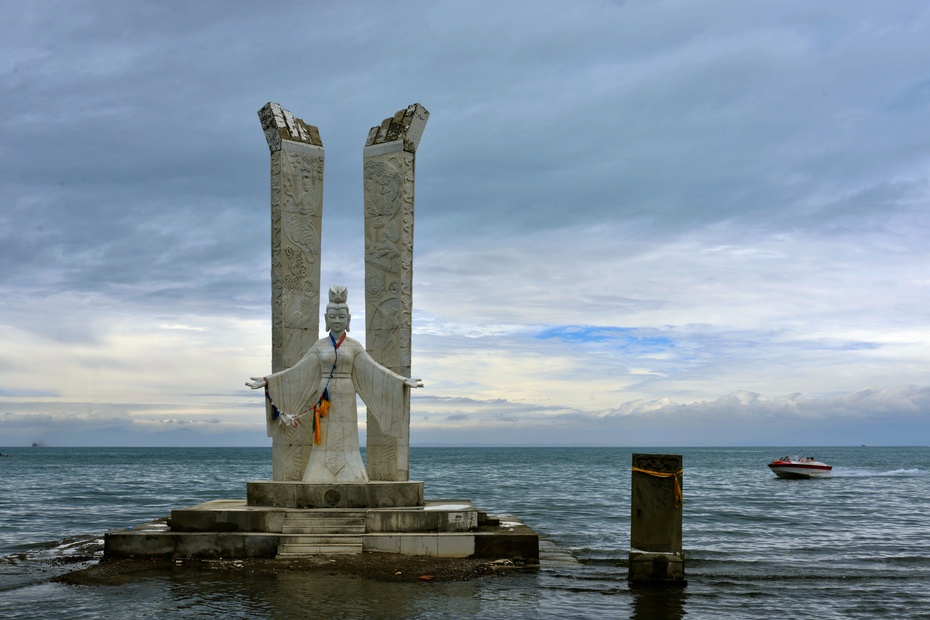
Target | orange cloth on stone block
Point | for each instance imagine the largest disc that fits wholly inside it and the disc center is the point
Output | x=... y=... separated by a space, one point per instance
x=659 y=474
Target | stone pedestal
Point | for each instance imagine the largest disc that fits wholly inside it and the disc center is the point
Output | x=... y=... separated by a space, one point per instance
x=334 y=495
x=235 y=529
x=389 y=171
x=656 y=554
x=296 y=224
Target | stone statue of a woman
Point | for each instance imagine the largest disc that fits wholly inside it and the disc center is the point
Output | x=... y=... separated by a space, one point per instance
x=320 y=390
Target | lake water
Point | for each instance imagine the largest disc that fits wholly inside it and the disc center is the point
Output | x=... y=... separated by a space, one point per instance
x=854 y=545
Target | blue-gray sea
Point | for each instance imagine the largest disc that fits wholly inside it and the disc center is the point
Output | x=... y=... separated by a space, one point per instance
x=854 y=545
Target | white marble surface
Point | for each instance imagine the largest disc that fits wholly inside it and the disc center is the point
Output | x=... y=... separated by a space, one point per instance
x=297 y=160
x=389 y=170
x=338 y=367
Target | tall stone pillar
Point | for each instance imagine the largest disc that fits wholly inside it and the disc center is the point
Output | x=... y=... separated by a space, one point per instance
x=656 y=554
x=296 y=219
x=389 y=166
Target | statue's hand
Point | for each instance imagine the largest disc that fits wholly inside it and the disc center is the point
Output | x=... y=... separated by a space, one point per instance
x=414 y=383
x=256 y=382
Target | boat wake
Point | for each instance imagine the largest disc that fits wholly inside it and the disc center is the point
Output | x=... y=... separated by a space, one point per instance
x=868 y=473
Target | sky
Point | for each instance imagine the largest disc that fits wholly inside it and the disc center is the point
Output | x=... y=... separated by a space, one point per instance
x=638 y=223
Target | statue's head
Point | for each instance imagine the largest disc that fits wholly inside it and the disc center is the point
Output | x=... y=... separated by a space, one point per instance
x=337 y=310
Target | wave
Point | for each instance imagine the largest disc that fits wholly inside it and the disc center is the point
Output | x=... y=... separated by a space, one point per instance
x=40 y=563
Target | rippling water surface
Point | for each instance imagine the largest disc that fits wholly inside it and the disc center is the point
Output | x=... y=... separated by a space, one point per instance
x=854 y=545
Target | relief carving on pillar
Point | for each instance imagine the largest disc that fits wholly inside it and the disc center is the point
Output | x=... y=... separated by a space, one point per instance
x=296 y=219
x=295 y=254
x=389 y=191
x=389 y=201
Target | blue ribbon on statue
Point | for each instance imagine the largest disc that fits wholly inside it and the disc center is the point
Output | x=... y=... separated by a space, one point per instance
x=275 y=412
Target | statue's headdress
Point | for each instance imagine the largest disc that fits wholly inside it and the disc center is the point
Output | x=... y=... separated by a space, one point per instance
x=338 y=294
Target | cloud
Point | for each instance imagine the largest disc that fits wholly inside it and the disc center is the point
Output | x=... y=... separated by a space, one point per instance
x=892 y=416
x=616 y=202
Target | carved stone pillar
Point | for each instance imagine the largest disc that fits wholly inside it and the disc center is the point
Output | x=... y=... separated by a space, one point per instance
x=389 y=159
x=296 y=219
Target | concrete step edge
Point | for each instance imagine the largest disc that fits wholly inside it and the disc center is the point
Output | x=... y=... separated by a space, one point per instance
x=321 y=543
x=322 y=530
x=320 y=550
x=323 y=523
x=322 y=540
x=316 y=514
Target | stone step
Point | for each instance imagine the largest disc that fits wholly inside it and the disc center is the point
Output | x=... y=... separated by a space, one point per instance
x=320 y=540
x=307 y=522
x=321 y=533
x=324 y=514
x=317 y=522
x=320 y=530
x=296 y=551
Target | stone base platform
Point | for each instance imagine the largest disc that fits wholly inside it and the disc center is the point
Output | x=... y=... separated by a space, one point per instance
x=334 y=495
x=233 y=529
x=649 y=567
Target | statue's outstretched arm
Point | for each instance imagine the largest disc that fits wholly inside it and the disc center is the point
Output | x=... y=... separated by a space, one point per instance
x=381 y=389
x=292 y=392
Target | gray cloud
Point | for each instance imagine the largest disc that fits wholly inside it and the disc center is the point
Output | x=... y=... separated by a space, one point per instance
x=891 y=416
x=716 y=198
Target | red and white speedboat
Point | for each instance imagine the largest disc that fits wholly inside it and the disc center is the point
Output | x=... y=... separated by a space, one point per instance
x=798 y=467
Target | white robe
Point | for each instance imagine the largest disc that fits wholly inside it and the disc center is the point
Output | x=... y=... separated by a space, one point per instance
x=296 y=390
